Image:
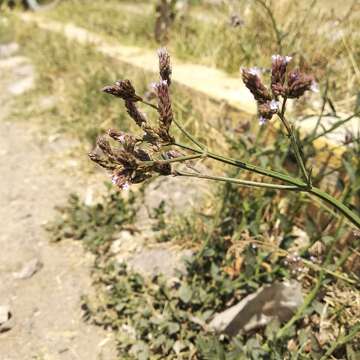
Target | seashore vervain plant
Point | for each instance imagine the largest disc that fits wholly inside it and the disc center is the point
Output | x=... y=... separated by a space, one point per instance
x=157 y=152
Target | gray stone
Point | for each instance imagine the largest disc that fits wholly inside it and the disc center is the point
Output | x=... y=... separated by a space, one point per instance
x=161 y=260
x=125 y=243
x=276 y=301
x=178 y=195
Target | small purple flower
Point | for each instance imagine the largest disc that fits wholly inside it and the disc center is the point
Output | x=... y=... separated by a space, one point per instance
x=262 y=120
x=314 y=87
x=274 y=105
x=126 y=186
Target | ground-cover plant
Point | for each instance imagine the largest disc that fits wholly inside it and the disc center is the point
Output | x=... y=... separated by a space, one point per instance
x=94 y=225
x=157 y=317
x=155 y=152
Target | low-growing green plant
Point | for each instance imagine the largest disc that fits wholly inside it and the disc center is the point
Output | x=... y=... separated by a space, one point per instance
x=96 y=224
x=158 y=317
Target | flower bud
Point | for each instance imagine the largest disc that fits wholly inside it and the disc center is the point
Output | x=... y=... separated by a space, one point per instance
x=253 y=82
x=164 y=104
x=298 y=83
x=135 y=114
x=267 y=110
x=122 y=89
x=104 y=145
x=164 y=65
x=278 y=74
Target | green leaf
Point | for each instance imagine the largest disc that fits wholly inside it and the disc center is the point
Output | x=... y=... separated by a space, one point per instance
x=173 y=328
x=185 y=293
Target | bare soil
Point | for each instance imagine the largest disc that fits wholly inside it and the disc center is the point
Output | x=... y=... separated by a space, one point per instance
x=46 y=318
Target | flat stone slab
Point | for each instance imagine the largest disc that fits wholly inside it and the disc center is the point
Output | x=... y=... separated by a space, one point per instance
x=278 y=301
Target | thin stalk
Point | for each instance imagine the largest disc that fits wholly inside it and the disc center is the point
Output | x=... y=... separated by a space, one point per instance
x=246 y=166
x=274 y=25
x=247 y=183
x=350 y=215
x=294 y=143
x=313 y=293
x=334 y=127
x=188 y=135
x=329 y=272
x=302 y=186
x=174 y=160
x=299 y=314
x=149 y=104
x=322 y=109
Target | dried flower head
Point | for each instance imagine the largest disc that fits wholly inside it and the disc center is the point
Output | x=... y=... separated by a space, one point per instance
x=298 y=83
x=278 y=74
x=253 y=82
x=291 y=84
x=164 y=105
x=135 y=114
x=267 y=110
x=164 y=65
x=128 y=164
x=124 y=90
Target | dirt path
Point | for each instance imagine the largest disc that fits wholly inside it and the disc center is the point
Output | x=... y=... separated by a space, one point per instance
x=46 y=306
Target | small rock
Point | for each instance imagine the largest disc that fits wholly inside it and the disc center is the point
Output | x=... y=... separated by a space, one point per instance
x=178 y=196
x=5 y=316
x=125 y=243
x=29 y=269
x=302 y=239
x=150 y=262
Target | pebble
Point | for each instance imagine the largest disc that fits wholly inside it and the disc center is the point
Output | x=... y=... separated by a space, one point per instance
x=29 y=269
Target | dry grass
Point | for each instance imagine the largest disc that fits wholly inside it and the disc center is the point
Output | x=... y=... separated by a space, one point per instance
x=321 y=39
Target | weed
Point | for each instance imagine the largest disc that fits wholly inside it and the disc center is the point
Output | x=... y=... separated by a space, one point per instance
x=94 y=225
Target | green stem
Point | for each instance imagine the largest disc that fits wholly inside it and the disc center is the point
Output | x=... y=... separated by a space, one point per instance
x=246 y=166
x=299 y=314
x=333 y=127
x=174 y=160
x=302 y=186
x=294 y=143
x=274 y=25
x=188 y=135
x=149 y=104
x=350 y=215
x=239 y=181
